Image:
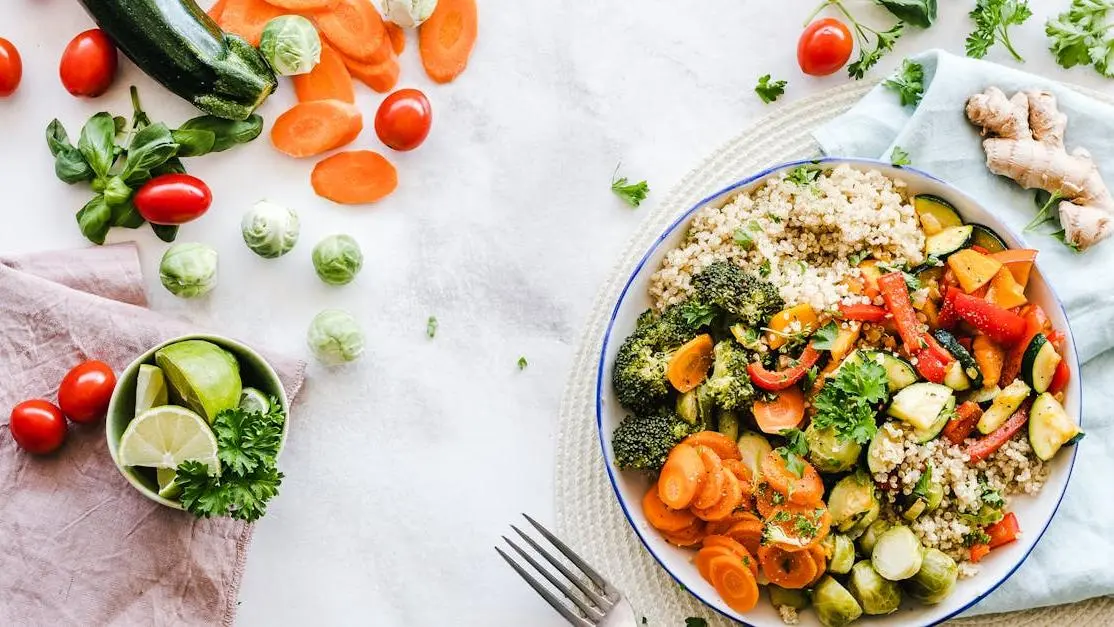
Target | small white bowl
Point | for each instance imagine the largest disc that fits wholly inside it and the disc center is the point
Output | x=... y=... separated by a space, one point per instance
x=1033 y=512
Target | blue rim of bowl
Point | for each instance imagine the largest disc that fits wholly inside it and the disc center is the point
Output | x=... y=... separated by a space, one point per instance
x=684 y=218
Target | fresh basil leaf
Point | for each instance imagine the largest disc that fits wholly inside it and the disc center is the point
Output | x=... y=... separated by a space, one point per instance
x=116 y=192
x=94 y=219
x=193 y=142
x=151 y=147
x=228 y=133
x=920 y=13
x=57 y=139
x=121 y=123
x=127 y=216
x=98 y=142
x=165 y=232
x=69 y=166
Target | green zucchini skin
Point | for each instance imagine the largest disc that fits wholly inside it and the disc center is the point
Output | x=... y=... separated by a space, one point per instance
x=178 y=45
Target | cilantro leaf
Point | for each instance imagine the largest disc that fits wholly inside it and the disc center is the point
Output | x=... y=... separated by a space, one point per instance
x=632 y=193
x=993 y=19
x=744 y=235
x=825 y=337
x=697 y=314
x=899 y=157
x=1082 y=35
x=769 y=90
x=908 y=82
x=857 y=258
x=848 y=403
x=923 y=483
x=804 y=175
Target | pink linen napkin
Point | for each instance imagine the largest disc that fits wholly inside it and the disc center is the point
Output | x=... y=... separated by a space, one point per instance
x=78 y=545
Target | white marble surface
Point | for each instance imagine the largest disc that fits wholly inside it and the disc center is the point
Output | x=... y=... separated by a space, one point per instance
x=403 y=470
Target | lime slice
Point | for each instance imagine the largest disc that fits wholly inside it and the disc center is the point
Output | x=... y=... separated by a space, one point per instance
x=168 y=488
x=203 y=375
x=150 y=389
x=163 y=437
x=254 y=402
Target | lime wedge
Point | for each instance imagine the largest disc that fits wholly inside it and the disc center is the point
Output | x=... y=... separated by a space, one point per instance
x=254 y=402
x=150 y=389
x=168 y=488
x=203 y=375
x=163 y=437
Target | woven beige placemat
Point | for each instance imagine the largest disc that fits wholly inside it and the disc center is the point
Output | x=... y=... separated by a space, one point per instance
x=588 y=515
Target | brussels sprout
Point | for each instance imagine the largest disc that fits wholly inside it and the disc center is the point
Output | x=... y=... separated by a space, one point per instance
x=796 y=599
x=753 y=447
x=696 y=407
x=840 y=551
x=875 y=594
x=270 y=230
x=885 y=439
x=865 y=520
x=408 y=13
x=936 y=578
x=189 y=269
x=870 y=536
x=897 y=553
x=335 y=337
x=852 y=501
x=291 y=45
x=337 y=259
x=835 y=607
x=828 y=452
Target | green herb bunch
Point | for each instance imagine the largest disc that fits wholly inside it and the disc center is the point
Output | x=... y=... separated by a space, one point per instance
x=849 y=401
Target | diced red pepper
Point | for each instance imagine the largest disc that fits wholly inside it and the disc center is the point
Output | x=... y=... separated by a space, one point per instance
x=963 y=424
x=979 y=249
x=948 y=318
x=1001 y=325
x=1036 y=321
x=930 y=366
x=1060 y=378
x=896 y=295
x=986 y=445
x=941 y=353
x=1004 y=531
x=774 y=381
x=863 y=312
x=979 y=551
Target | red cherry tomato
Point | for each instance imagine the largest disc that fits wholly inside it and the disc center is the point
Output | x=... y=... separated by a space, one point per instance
x=403 y=119
x=38 y=426
x=824 y=47
x=11 y=68
x=89 y=64
x=86 y=390
x=173 y=199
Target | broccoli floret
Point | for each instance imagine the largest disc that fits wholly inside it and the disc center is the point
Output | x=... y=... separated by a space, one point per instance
x=730 y=385
x=745 y=296
x=643 y=442
x=639 y=375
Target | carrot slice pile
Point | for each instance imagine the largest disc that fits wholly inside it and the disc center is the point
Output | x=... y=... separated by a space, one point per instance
x=355 y=177
x=724 y=446
x=734 y=582
x=807 y=489
x=311 y=128
x=730 y=499
x=661 y=516
x=354 y=27
x=328 y=80
x=681 y=477
x=689 y=536
x=382 y=76
x=247 y=18
x=712 y=490
x=398 y=37
x=788 y=569
x=447 y=37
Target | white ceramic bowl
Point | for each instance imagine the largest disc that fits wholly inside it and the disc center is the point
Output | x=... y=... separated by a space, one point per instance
x=1034 y=512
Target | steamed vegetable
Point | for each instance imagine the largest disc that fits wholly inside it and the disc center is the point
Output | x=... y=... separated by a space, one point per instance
x=337 y=259
x=189 y=270
x=897 y=553
x=875 y=594
x=935 y=579
x=335 y=337
x=270 y=230
x=828 y=452
x=291 y=45
x=835 y=606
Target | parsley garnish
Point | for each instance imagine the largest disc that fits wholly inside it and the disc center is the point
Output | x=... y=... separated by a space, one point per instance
x=848 y=402
x=744 y=235
x=1081 y=35
x=991 y=497
x=794 y=451
x=522 y=363
x=431 y=327
x=825 y=338
x=908 y=82
x=805 y=527
x=769 y=90
x=993 y=19
x=804 y=175
x=923 y=483
x=632 y=193
x=855 y=259
x=911 y=280
x=898 y=157
x=811 y=375
x=977 y=536
x=698 y=314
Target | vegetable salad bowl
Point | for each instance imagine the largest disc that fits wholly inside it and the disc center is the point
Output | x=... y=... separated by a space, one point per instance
x=1034 y=512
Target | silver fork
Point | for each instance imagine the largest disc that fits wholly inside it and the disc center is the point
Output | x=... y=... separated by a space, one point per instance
x=599 y=603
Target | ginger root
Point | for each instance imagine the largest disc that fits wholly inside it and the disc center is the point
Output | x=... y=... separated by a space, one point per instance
x=1025 y=142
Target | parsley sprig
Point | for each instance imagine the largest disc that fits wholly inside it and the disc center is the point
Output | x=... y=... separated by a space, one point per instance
x=873 y=44
x=899 y=158
x=794 y=451
x=1082 y=35
x=769 y=90
x=908 y=83
x=993 y=18
x=632 y=193
x=848 y=402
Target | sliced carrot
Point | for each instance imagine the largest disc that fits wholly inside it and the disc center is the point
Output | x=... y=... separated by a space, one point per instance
x=704 y=557
x=355 y=28
x=661 y=516
x=688 y=367
x=397 y=36
x=808 y=489
x=689 y=536
x=734 y=582
x=797 y=527
x=766 y=499
x=247 y=18
x=821 y=559
x=720 y=527
x=746 y=481
x=737 y=549
x=788 y=569
x=712 y=490
x=724 y=446
x=681 y=477
x=447 y=37
x=303 y=5
x=216 y=10
x=784 y=412
x=731 y=498
x=382 y=76
x=748 y=533
x=328 y=80
x=354 y=178
x=311 y=128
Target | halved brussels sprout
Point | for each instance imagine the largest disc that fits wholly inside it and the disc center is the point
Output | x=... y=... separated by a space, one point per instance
x=728 y=424
x=828 y=452
x=936 y=578
x=870 y=536
x=796 y=599
x=875 y=594
x=695 y=406
x=835 y=607
x=897 y=553
x=291 y=45
x=754 y=447
x=853 y=501
x=840 y=551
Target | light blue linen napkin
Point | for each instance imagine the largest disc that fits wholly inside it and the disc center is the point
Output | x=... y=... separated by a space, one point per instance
x=1075 y=559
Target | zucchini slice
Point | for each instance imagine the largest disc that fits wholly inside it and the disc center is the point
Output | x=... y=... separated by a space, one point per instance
x=986 y=238
x=1050 y=427
x=1038 y=366
x=920 y=405
x=956 y=379
x=935 y=214
x=933 y=430
x=962 y=355
x=899 y=373
x=984 y=395
x=897 y=553
x=1007 y=402
x=948 y=241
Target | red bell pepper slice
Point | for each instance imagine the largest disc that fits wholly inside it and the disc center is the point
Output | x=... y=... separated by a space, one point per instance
x=986 y=445
x=930 y=366
x=774 y=381
x=947 y=317
x=1004 y=531
x=963 y=424
x=979 y=551
x=1060 y=378
x=896 y=295
x=1036 y=321
x=1001 y=325
x=863 y=312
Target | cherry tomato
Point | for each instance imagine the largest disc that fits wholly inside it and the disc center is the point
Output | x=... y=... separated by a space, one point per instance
x=173 y=199
x=11 y=68
x=89 y=64
x=824 y=47
x=86 y=390
x=38 y=426
x=403 y=119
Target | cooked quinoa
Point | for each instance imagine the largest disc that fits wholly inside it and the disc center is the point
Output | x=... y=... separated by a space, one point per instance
x=799 y=236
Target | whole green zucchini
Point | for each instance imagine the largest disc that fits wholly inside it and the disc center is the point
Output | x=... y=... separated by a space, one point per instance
x=178 y=45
